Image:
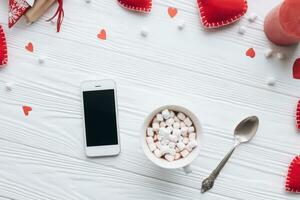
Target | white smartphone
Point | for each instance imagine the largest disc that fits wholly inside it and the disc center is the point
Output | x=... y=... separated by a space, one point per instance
x=100 y=118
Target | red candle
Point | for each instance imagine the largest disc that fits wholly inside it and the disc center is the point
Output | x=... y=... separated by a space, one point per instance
x=282 y=24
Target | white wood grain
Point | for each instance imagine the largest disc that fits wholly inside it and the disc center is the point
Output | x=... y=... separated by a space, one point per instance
x=42 y=155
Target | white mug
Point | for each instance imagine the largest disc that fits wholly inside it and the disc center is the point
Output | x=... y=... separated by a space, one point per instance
x=182 y=162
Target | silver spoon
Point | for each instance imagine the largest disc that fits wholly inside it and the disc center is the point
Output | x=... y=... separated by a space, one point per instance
x=244 y=132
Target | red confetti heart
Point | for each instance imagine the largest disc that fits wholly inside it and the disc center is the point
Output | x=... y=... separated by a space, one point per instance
x=3 y=48
x=293 y=177
x=216 y=13
x=26 y=110
x=298 y=115
x=296 y=69
x=137 y=5
x=29 y=47
x=250 y=52
x=172 y=11
x=102 y=35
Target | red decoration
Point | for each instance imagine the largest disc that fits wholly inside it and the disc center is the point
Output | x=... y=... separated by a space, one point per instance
x=60 y=14
x=298 y=115
x=172 y=11
x=137 y=5
x=296 y=69
x=216 y=13
x=3 y=48
x=17 y=9
x=293 y=177
x=29 y=47
x=26 y=110
x=102 y=35
x=250 y=52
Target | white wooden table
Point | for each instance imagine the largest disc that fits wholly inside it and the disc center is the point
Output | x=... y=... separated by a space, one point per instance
x=42 y=156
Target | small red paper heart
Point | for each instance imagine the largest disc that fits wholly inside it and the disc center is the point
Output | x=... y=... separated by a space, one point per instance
x=216 y=13
x=102 y=35
x=137 y=5
x=29 y=47
x=298 y=115
x=3 y=48
x=296 y=69
x=26 y=110
x=293 y=177
x=250 y=52
x=172 y=11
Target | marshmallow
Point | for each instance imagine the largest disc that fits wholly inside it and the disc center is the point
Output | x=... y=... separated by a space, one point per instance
x=149 y=140
x=191 y=129
x=182 y=124
x=268 y=53
x=150 y=132
x=177 y=156
x=188 y=122
x=177 y=150
x=252 y=17
x=181 y=116
x=180 y=146
x=159 y=137
x=169 y=157
x=184 y=153
x=157 y=145
x=180 y=138
x=144 y=32
x=9 y=86
x=155 y=138
x=242 y=30
x=271 y=81
x=164 y=132
x=173 y=138
x=41 y=59
x=192 y=144
x=181 y=24
x=176 y=125
x=172 y=145
x=280 y=56
x=155 y=126
x=164 y=149
x=163 y=124
x=166 y=114
x=172 y=114
x=185 y=140
x=176 y=132
x=165 y=142
x=192 y=136
x=176 y=119
x=152 y=146
x=170 y=121
x=157 y=153
x=184 y=131
x=172 y=152
x=159 y=117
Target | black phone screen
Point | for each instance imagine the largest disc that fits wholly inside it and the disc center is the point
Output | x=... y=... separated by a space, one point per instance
x=100 y=117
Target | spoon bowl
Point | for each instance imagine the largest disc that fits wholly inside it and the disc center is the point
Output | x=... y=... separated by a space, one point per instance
x=246 y=129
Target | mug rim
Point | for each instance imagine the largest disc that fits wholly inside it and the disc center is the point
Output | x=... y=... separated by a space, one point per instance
x=176 y=163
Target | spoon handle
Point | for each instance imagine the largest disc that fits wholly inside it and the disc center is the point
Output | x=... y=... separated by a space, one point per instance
x=208 y=183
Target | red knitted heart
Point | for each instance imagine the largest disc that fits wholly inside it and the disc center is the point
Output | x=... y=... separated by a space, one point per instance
x=298 y=115
x=293 y=178
x=216 y=13
x=3 y=48
x=137 y=5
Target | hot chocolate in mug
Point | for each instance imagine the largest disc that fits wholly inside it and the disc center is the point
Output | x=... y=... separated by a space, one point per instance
x=182 y=162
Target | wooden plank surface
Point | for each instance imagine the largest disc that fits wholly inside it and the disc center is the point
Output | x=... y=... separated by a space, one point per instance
x=42 y=157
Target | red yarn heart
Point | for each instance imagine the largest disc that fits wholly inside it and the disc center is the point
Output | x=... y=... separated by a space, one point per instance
x=137 y=5
x=216 y=13
x=3 y=48
x=298 y=115
x=293 y=178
